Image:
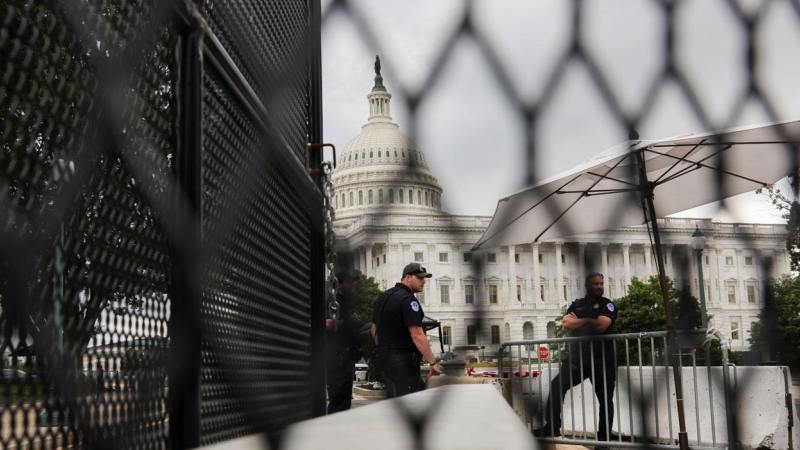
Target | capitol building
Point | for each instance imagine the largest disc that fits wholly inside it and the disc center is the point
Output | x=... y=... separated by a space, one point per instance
x=388 y=213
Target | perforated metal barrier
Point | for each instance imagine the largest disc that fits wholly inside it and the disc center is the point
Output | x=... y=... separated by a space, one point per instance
x=161 y=235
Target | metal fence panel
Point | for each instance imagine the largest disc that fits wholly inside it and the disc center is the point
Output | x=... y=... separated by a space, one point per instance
x=97 y=258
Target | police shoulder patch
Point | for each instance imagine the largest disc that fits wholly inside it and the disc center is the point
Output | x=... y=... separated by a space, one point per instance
x=610 y=306
x=415 y=306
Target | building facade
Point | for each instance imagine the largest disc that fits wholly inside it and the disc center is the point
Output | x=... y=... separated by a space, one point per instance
x=388 y=213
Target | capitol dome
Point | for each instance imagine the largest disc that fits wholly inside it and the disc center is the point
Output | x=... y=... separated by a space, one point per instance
x=382 y=170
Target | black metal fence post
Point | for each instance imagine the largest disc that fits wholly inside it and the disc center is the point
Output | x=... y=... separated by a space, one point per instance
x=318 y=278
x=185 y=322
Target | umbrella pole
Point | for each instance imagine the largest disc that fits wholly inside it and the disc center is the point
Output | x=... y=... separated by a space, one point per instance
x=647 y=192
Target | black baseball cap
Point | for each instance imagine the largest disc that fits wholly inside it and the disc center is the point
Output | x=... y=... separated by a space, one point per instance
x=417 y=270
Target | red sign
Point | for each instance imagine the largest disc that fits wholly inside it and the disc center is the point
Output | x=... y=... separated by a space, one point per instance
x=543 y=353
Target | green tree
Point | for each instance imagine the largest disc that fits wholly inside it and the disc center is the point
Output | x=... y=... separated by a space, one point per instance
x=790 y=211
x=367 y=291
x=363 y=300
x=778 y=325
x=642 y=309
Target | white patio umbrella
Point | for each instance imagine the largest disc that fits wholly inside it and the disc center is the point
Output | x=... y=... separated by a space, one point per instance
x=641 y=181
x=683 y=172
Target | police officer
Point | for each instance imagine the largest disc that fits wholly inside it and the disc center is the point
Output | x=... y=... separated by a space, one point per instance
x=593 y=315
x=397 y=330
x=342 y=345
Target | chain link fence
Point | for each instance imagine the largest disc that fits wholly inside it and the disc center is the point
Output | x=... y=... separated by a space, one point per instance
x=162 y=258
x=629 y=95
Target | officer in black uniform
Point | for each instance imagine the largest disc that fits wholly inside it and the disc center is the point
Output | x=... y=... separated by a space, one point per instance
x=397 y=330
x=342 y=345
x=592 y=315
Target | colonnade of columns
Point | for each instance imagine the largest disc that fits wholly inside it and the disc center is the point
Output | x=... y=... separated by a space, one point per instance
x=369 y=260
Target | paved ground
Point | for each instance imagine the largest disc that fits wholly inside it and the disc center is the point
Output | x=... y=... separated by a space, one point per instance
x=359 y=401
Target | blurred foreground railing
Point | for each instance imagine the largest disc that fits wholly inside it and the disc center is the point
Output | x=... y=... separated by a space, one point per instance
x=637 y=367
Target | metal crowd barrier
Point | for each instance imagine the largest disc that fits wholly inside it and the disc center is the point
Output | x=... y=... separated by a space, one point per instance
x=643 y=391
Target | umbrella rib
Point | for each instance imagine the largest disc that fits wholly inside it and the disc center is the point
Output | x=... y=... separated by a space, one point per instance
x=677 y=162
x=605 y=177
x=534 y=206
x=670 y=145
x=692 y=167
x=706 y=166
x=599 y=192
x=583 y=194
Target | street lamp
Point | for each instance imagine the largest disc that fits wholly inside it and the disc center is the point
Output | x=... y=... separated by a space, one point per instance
x=483 y=355
x=698 y=244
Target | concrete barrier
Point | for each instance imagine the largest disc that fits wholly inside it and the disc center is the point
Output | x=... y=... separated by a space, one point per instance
x=463 y=417
x=763 y=407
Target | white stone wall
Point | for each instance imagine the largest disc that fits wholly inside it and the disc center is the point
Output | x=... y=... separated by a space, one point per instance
x=382 y=245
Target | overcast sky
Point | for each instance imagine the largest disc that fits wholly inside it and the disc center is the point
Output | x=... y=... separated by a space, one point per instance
x=475 y=138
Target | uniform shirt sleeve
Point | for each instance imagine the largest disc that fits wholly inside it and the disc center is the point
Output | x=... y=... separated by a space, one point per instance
x=571 y=308
x=609 y=309
x=377 y=308
x=411 y=311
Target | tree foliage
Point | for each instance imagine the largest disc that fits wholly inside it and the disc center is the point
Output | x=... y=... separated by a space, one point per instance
x=642 y=309
x=789 y=210
x=778 y=325
x=367 y=291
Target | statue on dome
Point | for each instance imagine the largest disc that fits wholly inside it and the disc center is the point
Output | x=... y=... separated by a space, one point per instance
x=377 y=65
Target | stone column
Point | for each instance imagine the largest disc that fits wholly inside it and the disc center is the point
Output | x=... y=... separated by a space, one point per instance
x=369 y=259
x=559 y=272
x=431 y=288
x=455 y=262
x=512 y=276
x=669 y=266
x=740 y=289
x=626 y=261
x=604 y=263
x=537 y=295
x=713 y=273
x=405 y=257
x=647 y=261
x=394 y=270
x=692 y=271
x=582 y=261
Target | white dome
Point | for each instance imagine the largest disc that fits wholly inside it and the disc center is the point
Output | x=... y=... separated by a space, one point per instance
x=382 y=144
x=382 y=170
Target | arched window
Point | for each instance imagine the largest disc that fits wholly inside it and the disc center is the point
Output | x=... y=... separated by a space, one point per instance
x=344 y=203
x=351 y=200
x=400 y=193
x=527 y=331
x=380 y=195
x=410 y=196
x=350 y=158
x=395 y=153
x=356 y=156
x=370 y=154
x=419 y=197
x=379 y=153
x=360 y=197
x=363 y=155
x=391 y=195
x=336 y=202
x=369 y=197
x=403 y=154
x=426 y=198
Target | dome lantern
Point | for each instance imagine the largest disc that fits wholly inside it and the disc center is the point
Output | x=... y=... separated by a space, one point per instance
x=382 y=170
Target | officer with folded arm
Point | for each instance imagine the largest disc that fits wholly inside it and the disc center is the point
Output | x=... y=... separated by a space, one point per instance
x=398 y=333
x=593 y=315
